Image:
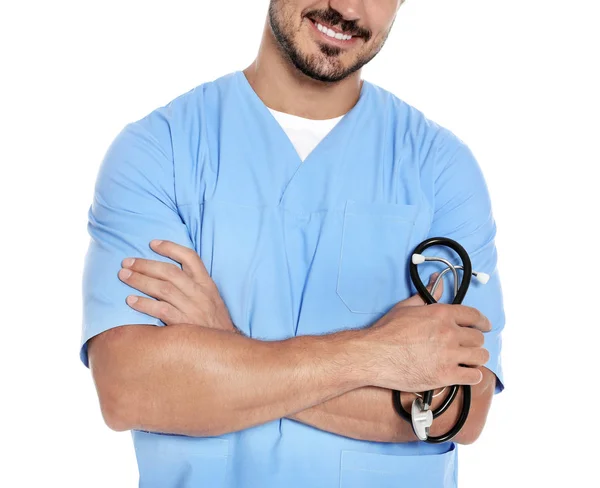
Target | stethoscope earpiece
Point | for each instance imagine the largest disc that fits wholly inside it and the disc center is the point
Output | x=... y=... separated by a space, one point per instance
x=483 y=278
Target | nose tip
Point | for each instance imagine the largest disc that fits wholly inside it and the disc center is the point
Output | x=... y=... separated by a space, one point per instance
x=349 y=9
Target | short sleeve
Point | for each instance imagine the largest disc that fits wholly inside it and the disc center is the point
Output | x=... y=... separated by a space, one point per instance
x=133 y=203
x=463 y=212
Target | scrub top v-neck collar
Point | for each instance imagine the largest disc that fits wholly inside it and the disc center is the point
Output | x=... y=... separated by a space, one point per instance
x=331 y=149
x=305 y=133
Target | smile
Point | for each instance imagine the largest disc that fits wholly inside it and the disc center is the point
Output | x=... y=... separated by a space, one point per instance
x=333 y=35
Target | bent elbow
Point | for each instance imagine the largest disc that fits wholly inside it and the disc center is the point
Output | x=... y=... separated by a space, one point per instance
x=469 y=434
x=116 y=422
x=113 y=384
x=117 y=412
x=466 y=440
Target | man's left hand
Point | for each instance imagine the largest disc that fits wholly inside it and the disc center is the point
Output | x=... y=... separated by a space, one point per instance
x=187 y=295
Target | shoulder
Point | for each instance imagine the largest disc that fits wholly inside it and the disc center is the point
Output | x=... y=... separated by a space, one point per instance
x=183 y=117
x=413 y=130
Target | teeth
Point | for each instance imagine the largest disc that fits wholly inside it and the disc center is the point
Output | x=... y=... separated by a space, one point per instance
x=331 y=33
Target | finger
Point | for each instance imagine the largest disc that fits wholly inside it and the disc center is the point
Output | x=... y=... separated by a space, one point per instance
x=468 y=337
x=467 y=376
x=466 y=316
x=439 y=291
x=162 y=290
x=162 y=271
x=416 y=299
x=473 y=356
x=188 y=258
x=155 y=308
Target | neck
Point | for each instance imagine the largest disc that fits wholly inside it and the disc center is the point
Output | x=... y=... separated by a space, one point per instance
x=284 y=88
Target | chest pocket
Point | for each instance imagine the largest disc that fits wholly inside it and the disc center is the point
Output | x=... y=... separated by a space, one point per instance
x=374 y=253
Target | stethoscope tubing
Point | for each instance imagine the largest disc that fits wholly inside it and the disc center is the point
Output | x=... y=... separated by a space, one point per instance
x=459 y=295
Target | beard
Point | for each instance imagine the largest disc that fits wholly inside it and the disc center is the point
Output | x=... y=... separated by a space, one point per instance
x=327 y=65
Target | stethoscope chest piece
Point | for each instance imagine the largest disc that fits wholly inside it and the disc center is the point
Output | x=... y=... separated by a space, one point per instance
x=421 y=419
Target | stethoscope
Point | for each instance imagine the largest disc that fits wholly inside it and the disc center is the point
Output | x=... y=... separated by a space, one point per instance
x=421 y=416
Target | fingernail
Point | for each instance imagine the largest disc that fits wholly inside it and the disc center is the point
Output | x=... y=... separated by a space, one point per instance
x=132 y=299
x=125 y=273
x=156 y=243
x=128 y=262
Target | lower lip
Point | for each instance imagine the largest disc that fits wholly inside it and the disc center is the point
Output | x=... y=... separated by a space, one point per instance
x=332 y=40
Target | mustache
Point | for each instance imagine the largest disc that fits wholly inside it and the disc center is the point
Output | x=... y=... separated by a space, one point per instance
x=335 y=19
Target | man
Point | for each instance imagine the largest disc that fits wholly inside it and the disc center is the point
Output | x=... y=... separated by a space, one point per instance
x=265 y=220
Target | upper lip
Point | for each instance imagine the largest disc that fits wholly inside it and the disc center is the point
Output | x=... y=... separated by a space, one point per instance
x=335 y=29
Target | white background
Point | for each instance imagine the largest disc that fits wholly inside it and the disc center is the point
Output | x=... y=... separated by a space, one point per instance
x=515 y=80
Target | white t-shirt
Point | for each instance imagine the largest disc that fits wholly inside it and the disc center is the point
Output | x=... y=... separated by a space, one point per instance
x=305 y=134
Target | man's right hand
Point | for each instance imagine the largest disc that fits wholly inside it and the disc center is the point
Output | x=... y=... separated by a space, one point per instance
x=420 y=348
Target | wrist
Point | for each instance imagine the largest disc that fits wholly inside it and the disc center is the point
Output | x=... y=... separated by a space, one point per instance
x=348 y=349
x=364 y=348
x=333 y=357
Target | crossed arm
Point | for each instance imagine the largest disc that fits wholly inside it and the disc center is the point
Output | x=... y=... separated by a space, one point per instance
x=207 y=380
x=200 y=381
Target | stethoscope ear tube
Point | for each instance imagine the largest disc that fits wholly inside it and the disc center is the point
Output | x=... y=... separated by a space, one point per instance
x=429 y=300
x=467 y=269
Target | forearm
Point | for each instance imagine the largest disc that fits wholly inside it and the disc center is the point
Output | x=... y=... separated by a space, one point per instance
x=367 y=413
x=197 y=381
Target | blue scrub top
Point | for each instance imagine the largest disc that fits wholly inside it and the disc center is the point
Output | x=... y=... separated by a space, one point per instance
x=295 y=248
